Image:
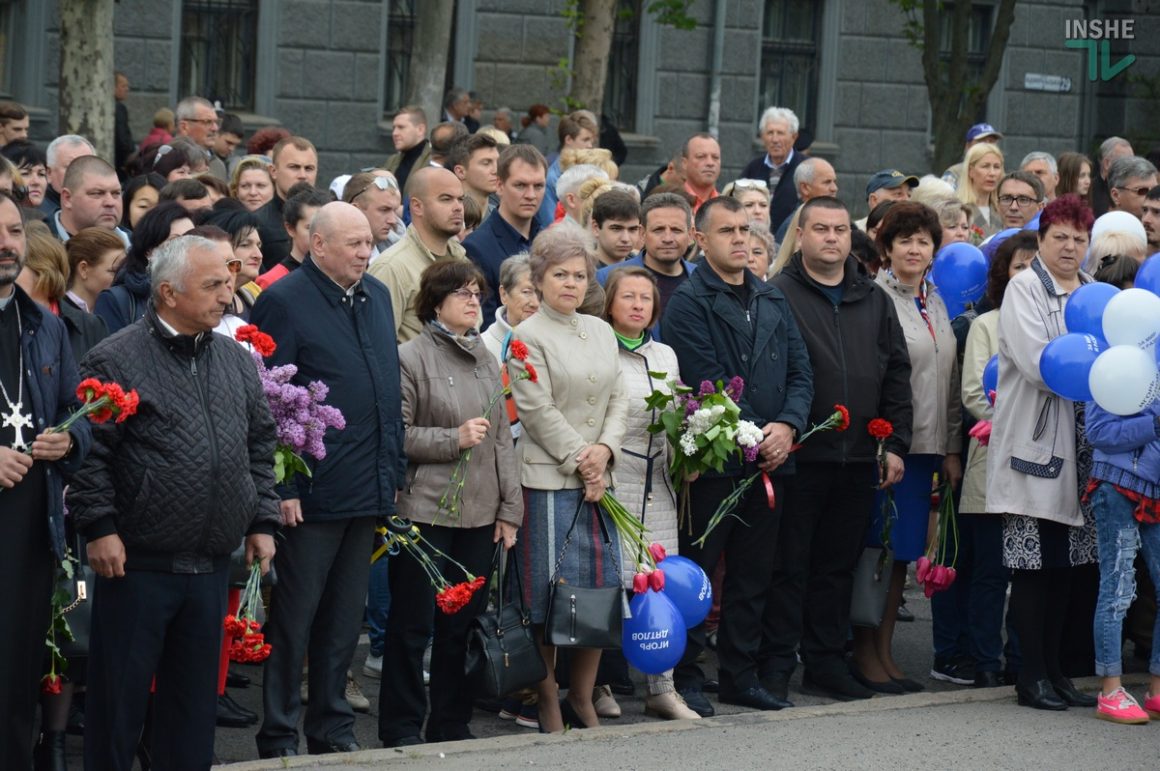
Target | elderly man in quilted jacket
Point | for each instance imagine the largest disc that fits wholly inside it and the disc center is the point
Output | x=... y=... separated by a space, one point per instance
x=163 y=499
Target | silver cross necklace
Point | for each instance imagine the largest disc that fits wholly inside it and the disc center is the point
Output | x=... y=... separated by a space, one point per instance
x=15 y=416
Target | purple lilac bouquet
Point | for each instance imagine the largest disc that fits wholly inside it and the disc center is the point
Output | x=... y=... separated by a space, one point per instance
x=299 y=413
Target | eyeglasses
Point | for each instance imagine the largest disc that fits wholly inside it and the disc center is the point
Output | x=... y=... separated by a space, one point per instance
x=467 y=294
x=205 y=121
x=1022 y=200
x=234 y=266
x=382 y=183
x=1140 y=191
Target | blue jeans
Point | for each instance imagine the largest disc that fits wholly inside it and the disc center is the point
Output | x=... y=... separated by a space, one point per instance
x=1120 y=536
x=378 y=605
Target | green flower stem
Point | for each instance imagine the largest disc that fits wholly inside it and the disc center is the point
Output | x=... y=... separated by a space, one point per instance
x=627 y=526
x=727 y=507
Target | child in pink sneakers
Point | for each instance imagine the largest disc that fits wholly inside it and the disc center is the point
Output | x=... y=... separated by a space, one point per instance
x=1125 y=495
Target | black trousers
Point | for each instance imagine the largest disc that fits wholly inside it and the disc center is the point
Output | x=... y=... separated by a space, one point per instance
x=822 y=535
x=26 y=573
x=749 y=542
x=402 y=697
x=316 y=612
x=148 y=624
x=1039 y=604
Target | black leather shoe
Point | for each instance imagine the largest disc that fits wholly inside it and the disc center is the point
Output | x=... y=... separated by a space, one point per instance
x=886 y=686
x=1066 y=690
x=988 y=680
x=904 y=614
x=278 y=752
x=330 y=748
x=834 y=685
x=908 y=685
x=777 y=683
x=1039 y=695
x=696 y=701
x=237 y=680
x=755 y=697
x=230 y=714
x=457 y=736
x=404 y=741
x=711 y=686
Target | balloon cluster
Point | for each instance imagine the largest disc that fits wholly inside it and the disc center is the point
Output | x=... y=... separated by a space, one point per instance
x=1109 y=352
x=654 y=638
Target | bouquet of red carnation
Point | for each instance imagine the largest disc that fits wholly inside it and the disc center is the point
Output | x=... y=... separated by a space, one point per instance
x=248 y=644
x=453 y=494
x=935 y=570
x=881 y=430
x=101 y=402
x=399 y=535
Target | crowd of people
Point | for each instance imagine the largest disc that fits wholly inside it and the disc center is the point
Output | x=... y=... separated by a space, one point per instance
x=402 y=289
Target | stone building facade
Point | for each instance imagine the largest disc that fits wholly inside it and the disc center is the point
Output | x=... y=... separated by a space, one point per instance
x=331 y=70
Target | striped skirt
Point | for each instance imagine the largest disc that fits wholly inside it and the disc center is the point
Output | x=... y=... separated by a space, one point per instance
x=588 y=561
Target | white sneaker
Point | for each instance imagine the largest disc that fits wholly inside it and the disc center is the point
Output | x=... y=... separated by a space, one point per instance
x=373 y=667
x=604 y=702
x=354 y=695
x=669 y=706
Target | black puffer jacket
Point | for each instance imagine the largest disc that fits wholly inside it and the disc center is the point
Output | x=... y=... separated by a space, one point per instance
x=193 y=471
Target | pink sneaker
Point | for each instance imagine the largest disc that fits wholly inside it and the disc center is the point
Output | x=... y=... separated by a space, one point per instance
x=1119 y=707
x=1152 y=706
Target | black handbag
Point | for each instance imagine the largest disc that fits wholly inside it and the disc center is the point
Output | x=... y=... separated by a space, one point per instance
x=584 y=617
x=871 y=585
x=502 y=655
x=78 y=612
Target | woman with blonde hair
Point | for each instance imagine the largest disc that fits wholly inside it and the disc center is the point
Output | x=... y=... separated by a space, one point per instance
x=979 y=185
x=594 y=156
x=251 y=182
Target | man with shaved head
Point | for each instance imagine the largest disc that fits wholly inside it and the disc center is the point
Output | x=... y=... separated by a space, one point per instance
x=90 y=197
x=436 y=216
x=336 y=325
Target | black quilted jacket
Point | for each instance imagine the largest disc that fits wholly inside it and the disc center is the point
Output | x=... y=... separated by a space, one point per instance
x=193 y=471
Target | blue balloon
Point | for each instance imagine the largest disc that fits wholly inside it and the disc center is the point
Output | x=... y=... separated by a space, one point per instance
x=1084 y=313
x=1066 y=362
x=960 y=273
x=1033 y=223
x=991 y=245
x=654 y=638
x=1148 y=276
x=688 y=587
x=991 y=377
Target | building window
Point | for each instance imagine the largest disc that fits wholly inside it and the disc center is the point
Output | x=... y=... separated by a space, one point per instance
x=978 y=39
x=789 y=57
x=620 y=91
x=219 y=47
x=400 y=39
x=6 y=47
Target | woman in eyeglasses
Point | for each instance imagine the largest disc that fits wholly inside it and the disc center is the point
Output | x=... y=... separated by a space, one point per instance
x=242 y=227
x=447 y=376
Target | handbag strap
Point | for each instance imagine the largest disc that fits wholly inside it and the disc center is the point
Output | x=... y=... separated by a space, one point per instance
x=499 y=565
x=568 y=540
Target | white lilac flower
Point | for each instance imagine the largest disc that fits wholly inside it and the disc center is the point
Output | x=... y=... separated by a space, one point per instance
x=748 y=434
x=689 y=444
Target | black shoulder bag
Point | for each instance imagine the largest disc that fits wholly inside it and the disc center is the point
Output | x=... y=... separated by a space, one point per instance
x=584 y=617
x=502 y=655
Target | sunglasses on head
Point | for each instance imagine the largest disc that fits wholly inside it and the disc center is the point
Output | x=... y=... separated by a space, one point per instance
x=382 y=183
x=234 y=266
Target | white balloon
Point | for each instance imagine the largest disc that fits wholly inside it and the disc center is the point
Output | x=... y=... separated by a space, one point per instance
x=1120 y=222
x=1132 y=317
x=1124 y=380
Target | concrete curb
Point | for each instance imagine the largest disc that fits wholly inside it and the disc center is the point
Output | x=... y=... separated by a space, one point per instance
x=383 y=757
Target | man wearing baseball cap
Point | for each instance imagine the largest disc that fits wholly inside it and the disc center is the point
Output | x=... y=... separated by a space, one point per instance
x=887 y=185
x=980 y=132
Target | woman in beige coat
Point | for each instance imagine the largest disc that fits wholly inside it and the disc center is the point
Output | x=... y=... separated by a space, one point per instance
x=643 y=482
x=1033 y=461
x=573 y=419
x=448 y=378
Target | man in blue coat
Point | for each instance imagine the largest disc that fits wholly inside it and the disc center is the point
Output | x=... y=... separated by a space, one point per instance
x=337 y=326
x=38 y=380
x=723 y=323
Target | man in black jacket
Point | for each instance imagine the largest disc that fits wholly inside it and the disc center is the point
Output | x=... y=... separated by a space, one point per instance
x=859 y=359
x=723 y=323
x=779 y=134
x=335 y=324
x=163 y=499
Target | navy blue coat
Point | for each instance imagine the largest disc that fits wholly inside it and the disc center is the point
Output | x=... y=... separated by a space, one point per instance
x=347 y=342
x=124 y=302
x=784 y=198
x=492 y=243
x=716 y=338
x=53 y=371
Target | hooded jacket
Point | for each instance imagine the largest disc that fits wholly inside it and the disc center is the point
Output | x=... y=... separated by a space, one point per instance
x=859 y=359
x=124 y=302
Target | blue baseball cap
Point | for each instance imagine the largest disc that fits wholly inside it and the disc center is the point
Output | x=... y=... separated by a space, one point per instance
x=890 y=178
x=980 y=130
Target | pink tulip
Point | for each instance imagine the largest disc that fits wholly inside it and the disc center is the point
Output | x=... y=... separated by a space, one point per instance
x=656 y=580
x=657 y=551
x=922 y=569
x=951 y=574
x=928 y=589
x=982 y=432
x=639 y=583
x=938 y=577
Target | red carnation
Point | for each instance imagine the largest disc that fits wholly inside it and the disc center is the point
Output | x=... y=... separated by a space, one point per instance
x=519 y=350
x=90 y=389
x=454 y=598
x=262 y=343
x=532 y=376
x=844 y=422
x=51 y=684
x=880 y=429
